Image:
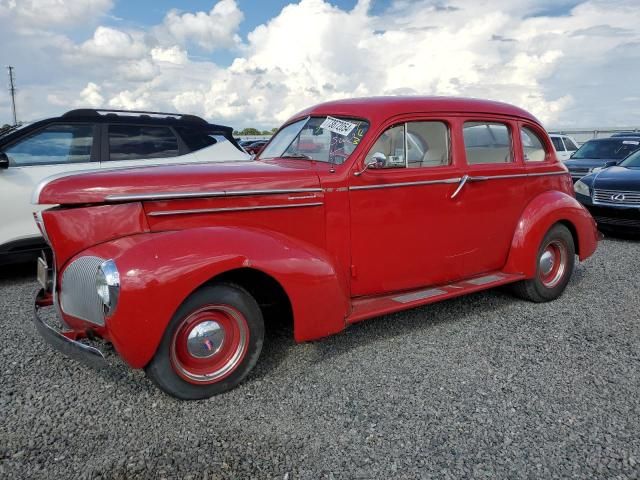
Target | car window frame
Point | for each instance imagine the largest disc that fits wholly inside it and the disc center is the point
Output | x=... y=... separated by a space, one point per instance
x=517 y=160
x=106 y=148
x=541 y=137
x=403 y=120
x=94 y=156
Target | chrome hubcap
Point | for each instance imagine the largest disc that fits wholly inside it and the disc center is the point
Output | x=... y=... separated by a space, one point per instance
x=547 y=261
x=205 y=339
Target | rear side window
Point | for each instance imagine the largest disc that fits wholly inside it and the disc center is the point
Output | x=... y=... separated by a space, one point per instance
x=487 y=142
x=54 y=144
x=129 y=142
x=557 y=144
x=196 y=139
x=569 y=143
x=532 y=146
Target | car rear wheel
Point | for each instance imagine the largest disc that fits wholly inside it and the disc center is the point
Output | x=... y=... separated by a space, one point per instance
x=554 y=265
x=211 y=344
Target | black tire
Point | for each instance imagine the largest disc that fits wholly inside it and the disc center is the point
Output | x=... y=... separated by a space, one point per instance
x=175 y=370
x=546 y=287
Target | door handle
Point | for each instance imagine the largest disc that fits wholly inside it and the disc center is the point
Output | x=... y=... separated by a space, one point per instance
x=463 y=182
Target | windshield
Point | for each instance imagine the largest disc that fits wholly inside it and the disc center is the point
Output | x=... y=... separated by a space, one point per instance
x=607 y=149
x=323 y=139
x=632 y=161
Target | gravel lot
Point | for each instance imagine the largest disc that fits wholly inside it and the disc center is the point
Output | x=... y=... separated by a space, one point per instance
x=484 y=386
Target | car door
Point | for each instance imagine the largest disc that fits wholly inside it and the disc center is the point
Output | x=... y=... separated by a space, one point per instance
x=495 y=194
x=405 y=229
x=54 y=149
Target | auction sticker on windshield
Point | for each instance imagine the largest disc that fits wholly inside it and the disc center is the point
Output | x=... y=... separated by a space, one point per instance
x=335 y=125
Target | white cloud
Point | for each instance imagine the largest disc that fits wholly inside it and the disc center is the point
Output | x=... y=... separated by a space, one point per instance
x=568 y=69
x=53 y=13
x=91 y=96
x=110 y=42
x=173 y=55
x=213 y=30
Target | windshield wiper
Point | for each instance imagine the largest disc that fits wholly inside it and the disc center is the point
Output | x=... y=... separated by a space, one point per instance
x=297 y=155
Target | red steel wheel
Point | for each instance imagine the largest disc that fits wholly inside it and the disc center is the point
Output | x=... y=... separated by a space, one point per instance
x=553 y=263
x=209 y=344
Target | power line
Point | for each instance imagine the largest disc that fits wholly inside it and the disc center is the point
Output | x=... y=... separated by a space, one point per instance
x=12 y=91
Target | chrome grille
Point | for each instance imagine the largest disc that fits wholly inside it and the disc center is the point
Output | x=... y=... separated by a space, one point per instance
x=78 y=295
x=616 y=197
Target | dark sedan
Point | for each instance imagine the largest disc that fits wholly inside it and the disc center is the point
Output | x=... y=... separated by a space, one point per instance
x=599 y=152
x=612 y=195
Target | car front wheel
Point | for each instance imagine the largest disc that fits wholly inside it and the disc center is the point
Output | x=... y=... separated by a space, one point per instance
x=554 y=265
x=211 y=344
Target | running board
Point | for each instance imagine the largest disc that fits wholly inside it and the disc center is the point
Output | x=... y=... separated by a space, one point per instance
x=367 y=307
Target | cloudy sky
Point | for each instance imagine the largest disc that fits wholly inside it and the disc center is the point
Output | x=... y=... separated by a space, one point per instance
x=254 y=63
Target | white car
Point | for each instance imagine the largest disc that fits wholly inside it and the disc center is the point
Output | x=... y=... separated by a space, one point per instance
x=88 y=140
x=565 y=145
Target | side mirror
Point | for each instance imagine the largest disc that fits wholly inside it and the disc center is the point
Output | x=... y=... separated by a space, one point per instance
x=4 y=161
x=610 y=163
x=378 y=160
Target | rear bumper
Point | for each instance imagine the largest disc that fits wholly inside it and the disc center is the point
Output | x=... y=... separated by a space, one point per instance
x=71 y=348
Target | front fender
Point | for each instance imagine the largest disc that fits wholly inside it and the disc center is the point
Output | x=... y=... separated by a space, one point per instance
x=538 y=217
x=158 y=271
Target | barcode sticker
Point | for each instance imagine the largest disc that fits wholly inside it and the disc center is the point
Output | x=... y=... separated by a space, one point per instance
x=335 y=125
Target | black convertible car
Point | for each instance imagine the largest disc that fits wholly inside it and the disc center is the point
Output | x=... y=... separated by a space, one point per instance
x=612 y=195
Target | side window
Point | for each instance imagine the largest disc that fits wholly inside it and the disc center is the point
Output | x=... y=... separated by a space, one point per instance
x=427 y=144
x=570 y=145
x=412 y=145
x=388 y=151
x=557 y=144
x=53 y=145
x=196 y=139
x=129 y=142
x=487 y=142
x=532 y=146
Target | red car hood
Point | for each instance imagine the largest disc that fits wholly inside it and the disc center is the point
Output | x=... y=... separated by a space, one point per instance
x=158 y=182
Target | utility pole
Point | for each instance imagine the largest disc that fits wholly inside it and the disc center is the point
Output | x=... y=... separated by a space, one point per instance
x=12 y=91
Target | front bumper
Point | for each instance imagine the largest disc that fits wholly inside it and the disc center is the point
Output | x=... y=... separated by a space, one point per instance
x=63 y=341
x=623 y=219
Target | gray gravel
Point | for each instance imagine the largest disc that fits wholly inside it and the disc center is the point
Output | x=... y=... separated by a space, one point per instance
x=484 y=386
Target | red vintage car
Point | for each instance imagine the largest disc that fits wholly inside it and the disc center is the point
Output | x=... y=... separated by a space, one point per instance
x=355 y=208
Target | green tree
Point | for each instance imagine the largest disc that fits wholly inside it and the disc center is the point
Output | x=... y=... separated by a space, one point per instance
x=267 y=132
x=250 y=131
x=274 y=130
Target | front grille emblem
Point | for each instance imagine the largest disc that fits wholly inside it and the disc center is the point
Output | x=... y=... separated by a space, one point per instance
x=619 y=197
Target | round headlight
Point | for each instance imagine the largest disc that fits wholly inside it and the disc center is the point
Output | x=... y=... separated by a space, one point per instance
x=108 y=286
x=581 y=188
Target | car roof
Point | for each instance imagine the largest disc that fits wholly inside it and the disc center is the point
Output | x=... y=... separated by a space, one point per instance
x=136 y=117
x=380 y=108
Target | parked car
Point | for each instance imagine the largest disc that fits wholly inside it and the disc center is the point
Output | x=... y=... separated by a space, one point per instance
x=635 y=134
x=564 y=145
x=597 y=152
x=612 y=195
x=254 y=148
x=89 y=140
x=407 y=201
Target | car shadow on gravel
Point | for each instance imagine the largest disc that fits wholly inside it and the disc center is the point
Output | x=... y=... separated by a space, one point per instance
x=20 y=271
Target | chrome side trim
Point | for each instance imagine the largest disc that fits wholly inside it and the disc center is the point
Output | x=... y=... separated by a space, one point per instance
x=220 y=193
x=406 y=184
x=456 y=180
x=230 y=209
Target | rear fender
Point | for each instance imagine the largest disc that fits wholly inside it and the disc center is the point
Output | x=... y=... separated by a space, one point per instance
x=539 y=216
x=158 y=271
